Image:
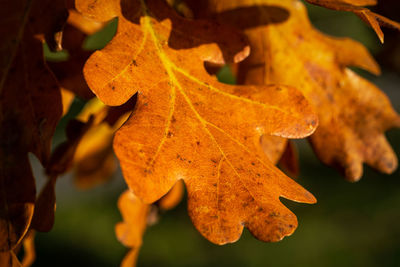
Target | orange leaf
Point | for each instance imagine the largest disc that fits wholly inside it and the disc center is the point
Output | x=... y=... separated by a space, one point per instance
x=131 y=230
x=188 y=126
x=289 y=161
x=353 y=113
x=173 y=197
x=136 y=216
x=84 y=24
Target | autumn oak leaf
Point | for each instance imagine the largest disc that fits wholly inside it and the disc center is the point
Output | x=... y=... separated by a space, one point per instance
x=69 y=72
x=130 y=231
x=30 y=107
x=94 y=159
x=353 y=113
x=188 y=126
x=137 y=216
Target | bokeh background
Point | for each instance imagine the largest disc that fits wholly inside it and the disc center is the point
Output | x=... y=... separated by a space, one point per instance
x=353 y=224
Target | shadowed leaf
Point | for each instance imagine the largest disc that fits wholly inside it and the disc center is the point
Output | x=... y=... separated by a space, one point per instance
x=30 y=107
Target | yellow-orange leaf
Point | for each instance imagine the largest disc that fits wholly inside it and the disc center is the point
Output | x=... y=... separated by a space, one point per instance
x=94 y=160
x=130 y=231
x=173 y=197
x=188 y=126
x=136 y=216
x=289 y=161
x=353 y=113
x=84 y=24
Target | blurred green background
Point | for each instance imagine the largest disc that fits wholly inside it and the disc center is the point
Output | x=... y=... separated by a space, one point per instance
x=353 y=224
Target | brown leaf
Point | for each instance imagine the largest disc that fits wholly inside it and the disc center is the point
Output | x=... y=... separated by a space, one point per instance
x=60 y=161
x=353 y=113
x=8 y=259
x=188 y=126
x=355 y=6
x=45 y=206
x=30 y=107
x=70 y=73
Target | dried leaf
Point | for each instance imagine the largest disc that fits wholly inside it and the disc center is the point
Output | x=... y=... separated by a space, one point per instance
x=29 y=249
x=67 y=97
x=70 y=73
x=30 y=107
x=8 y=259
x=94 y=161
x=188 y=126
x=353 y=113
x=84 y=24
x=371 y=18
x=130 y=258
x=289 y=161
x=60 y=161
x=173 y=197
x=131 y=230
x=137 y=216
x=98 y=165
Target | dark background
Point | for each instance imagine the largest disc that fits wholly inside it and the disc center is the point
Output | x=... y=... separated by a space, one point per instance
x=353 y=224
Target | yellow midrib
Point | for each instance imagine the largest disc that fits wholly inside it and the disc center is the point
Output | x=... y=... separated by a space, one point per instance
x=168 y=67
x=173 y=80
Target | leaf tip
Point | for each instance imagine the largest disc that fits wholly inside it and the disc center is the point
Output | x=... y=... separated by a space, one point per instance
x=242 y=54
x=354 y=173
